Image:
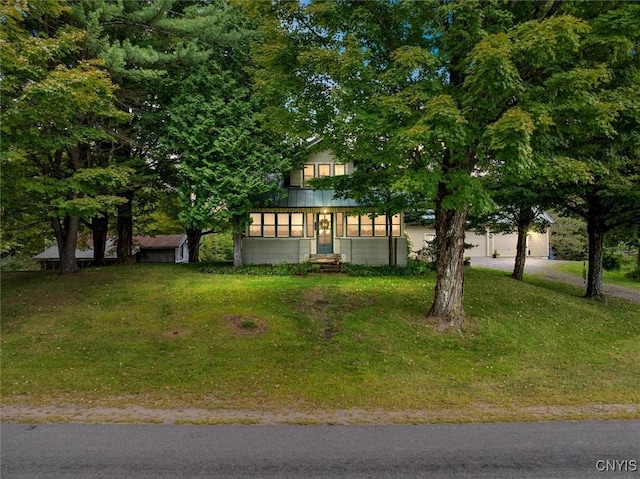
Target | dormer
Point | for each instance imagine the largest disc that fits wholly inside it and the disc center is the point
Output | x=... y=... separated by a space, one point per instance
x=319 y=165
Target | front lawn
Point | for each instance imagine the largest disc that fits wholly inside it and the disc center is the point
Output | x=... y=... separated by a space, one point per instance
x=173 y=336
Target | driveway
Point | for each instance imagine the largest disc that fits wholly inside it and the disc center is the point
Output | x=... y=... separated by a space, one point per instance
x=545 y=268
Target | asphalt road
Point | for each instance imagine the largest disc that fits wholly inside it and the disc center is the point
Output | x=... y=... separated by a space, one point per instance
x=605 y=449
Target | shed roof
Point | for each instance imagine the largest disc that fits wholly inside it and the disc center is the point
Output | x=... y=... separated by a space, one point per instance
x=159 y=241
x=139 y=242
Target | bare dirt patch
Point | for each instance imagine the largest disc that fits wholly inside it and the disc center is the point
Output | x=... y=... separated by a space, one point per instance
x=191 y=415
x=246 y=325
x=315 y=303
x=176 y=333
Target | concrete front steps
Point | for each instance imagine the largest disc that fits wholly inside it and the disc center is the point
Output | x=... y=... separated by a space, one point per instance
x=329 y=263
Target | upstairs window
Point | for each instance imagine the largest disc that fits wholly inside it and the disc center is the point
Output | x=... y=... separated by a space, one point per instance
x=324 y=170
x=302 y=176
x=308 y=172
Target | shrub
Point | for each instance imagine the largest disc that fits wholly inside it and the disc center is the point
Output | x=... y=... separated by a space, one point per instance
x=415 y=267
x=633 y=275
x=216 y=247
x=569 y=239
x=285 y=269
x=611 y=261
x=18 y=263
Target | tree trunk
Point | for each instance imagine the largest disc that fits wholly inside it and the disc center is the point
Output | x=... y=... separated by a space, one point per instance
x=99 y=231
x=124 y=248
x=193 y=240
x=392 y=252
x=447 y=306
x=596 y=254
x=67 y=238
x=521 y=254
x=637 y=242
x=237 y=249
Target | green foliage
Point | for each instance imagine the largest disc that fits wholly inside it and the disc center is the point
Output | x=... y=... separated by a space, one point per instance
x=216 y=247
x=225 y=161
x=415 y=267
x=225 y=158
x=633 y=275
x=568 y=239
x=14 y=262
x=58 y=117
x=285 y=269
x=612 y=260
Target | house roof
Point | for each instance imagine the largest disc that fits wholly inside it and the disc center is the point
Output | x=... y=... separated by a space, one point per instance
x=82 y=251
x=310 y=200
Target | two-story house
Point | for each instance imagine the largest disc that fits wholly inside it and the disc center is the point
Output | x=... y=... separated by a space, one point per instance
x=310 y=224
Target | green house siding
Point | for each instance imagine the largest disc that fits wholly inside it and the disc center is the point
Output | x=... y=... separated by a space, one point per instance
x=365 y=251
x=372 y=251
x=275 y=250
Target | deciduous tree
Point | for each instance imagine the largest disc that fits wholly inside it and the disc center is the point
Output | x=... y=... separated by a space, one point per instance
x=446 y=87
x=58 y=104
x=596 y=122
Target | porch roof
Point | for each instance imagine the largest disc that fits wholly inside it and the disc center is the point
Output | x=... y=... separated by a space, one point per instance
x=309 y=200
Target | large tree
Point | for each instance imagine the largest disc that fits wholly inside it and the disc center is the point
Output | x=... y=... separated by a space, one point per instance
x=147 y=48
x=595 y=106
x=225 y=160
x=58 y=105
x=444 y=87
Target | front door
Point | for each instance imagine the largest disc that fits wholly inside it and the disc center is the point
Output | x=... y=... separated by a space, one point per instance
x=325 y=234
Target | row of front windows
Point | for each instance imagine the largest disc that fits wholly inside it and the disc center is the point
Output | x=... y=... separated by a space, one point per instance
x=280 y=225
x=293 y=225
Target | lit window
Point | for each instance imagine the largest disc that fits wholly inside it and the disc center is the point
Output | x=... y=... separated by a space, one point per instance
x=310 y=225
x=380 y=227
x=297 y=225
x=324 y=170
x=366 y=226
x=339 y=224
x=283 y=225
x=339 y=170
x=352 y=226
x=269 y=225
x=309 y=173
x=395 y=225
x=255 y=228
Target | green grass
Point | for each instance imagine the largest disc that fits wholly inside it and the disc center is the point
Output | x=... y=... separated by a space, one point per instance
x=613 y=277
x=172 y=336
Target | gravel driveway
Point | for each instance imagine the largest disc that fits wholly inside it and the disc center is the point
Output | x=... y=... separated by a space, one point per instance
x=545 y=269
